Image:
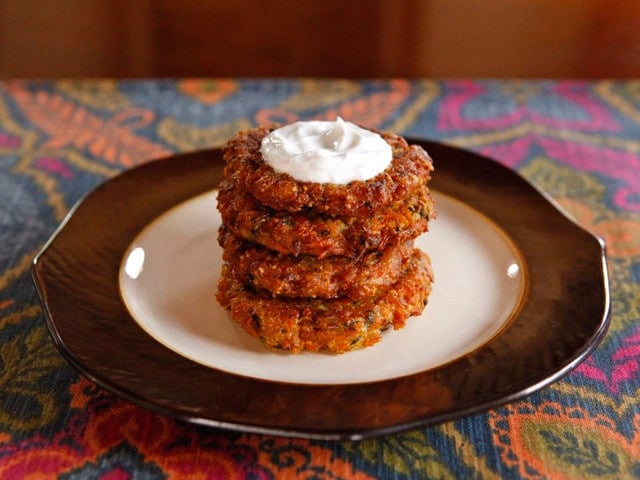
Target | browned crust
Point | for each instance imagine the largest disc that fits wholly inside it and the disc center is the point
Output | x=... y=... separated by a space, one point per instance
x=410 y=169
x=321 y=236
x=362 y=277
x=334 y=326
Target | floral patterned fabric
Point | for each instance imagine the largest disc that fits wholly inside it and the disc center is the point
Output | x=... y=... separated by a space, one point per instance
x=577 y=141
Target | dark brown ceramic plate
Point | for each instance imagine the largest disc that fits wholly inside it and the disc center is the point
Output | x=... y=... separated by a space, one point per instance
x=561 y=314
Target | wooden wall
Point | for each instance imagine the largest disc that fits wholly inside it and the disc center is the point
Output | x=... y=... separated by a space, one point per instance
x=328 y=38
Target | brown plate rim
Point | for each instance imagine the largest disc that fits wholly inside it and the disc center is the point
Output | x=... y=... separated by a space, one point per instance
x=77 y=284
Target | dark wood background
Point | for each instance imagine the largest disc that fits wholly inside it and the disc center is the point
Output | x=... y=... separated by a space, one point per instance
x=320 y=38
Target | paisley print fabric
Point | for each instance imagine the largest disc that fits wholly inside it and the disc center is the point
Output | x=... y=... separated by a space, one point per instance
x=577 y=141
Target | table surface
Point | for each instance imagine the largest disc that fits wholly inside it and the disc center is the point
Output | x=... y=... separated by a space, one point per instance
x=577 y=141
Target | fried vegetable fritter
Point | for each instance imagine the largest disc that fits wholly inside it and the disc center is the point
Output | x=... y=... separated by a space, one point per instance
x=334 y=326
x=361 y=277
x=319 y=235
x=410 y=170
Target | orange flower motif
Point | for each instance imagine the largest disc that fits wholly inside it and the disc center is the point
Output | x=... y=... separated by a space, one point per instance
x=68 y=124
x=208 y=91
x=553 y=441
x=126 y=422
x=156 y=437
x=293 y=459
x=199 y=465
x=81 y=393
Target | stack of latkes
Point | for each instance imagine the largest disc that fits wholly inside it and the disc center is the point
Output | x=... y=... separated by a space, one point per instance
x=313 y=266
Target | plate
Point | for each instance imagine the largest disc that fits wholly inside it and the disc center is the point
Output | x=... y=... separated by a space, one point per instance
x=168 y=277
x=521 y=297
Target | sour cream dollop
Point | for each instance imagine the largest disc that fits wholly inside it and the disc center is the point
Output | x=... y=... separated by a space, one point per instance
x=326 y=152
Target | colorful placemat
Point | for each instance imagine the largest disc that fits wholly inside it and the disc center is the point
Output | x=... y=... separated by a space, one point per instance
x=577 y=141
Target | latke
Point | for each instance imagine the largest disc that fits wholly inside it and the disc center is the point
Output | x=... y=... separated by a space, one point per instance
x=410 y=170
x=306 y=276
x=319 y=235
x=334 y=326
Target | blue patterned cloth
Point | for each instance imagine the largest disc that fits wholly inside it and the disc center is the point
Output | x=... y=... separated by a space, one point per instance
x=577 y=141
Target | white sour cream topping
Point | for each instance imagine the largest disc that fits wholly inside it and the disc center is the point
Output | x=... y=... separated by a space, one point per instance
x=326 y=152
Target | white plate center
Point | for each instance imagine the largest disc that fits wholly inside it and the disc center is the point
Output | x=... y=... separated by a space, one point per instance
x=169 y=274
